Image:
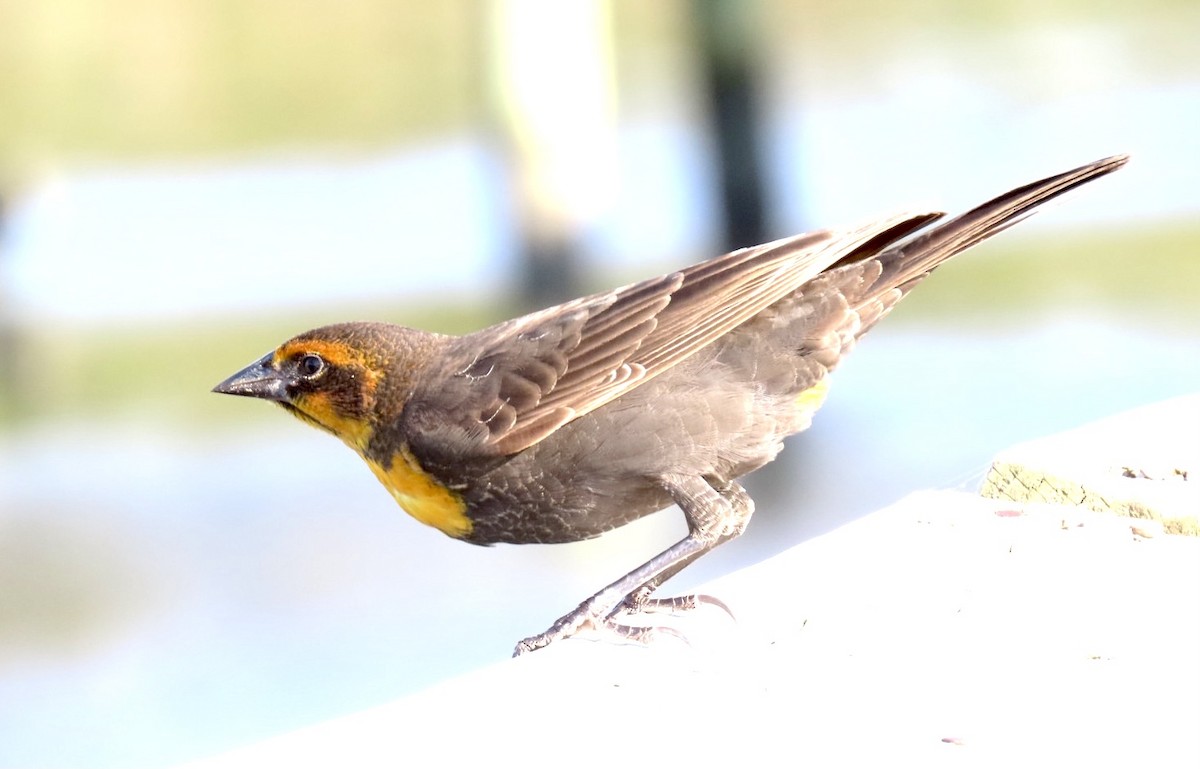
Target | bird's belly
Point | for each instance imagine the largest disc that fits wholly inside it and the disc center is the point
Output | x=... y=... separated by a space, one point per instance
x=548 y=508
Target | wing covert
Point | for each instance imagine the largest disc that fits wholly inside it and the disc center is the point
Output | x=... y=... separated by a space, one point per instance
x=500 y=390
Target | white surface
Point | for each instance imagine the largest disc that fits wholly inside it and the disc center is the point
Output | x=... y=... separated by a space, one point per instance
x=936 y=631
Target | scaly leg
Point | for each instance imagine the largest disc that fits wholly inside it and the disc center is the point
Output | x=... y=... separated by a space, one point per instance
x=713 y=517
x=640 y=602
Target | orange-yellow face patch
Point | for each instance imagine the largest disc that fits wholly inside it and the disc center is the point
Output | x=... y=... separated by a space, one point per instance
x=334 y=353
x=320 y=405
x=422 y=496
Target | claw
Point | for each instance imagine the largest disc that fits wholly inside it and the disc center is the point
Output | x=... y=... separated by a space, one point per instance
x=643 y=635
x=640 y=602
x=531 y=644
x=587 y=617
x=712 y=600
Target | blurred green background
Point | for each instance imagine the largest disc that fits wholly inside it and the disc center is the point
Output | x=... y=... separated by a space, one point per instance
x=184 y=184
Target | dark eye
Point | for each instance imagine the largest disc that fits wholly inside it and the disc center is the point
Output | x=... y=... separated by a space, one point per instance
x=311 y=365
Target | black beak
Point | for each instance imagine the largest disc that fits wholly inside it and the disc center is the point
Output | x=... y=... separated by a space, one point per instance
x=258 y=380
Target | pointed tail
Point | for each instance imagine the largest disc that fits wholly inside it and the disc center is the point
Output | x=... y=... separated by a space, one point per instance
x=910 y=260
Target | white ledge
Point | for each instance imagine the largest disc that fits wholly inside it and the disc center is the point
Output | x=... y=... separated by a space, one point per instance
x=946 y=628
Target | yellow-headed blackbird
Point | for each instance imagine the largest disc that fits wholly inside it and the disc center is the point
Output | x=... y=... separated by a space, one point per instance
x=566 y=423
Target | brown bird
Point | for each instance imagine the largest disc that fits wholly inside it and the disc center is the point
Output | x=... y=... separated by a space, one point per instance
x=566 y=423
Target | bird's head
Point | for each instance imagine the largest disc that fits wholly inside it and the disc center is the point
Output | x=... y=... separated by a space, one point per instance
x=329 y=377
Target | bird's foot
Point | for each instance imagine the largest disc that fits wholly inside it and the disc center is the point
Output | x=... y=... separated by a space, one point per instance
x=583 y=617
x=568 y=626
x=641 y=602
x=593 y=616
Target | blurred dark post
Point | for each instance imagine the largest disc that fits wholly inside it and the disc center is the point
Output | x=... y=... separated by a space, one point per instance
x=550 y=64
x=729 y=47
x=729 y=37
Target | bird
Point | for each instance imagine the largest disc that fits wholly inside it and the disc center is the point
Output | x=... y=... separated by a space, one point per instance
x=568 y=422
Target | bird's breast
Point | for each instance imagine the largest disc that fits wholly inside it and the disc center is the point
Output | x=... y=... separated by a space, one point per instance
x=421 y=495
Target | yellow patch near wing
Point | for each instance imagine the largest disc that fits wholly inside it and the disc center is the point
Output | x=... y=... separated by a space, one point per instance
x=808 y=401
x=811 y=399
x=422 y=496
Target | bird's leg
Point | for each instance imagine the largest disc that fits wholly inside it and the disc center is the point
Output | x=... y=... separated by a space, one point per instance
x=640 y=602
x=713 y=517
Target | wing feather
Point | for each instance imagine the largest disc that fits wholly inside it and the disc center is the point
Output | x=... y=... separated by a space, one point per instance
x=502 y=389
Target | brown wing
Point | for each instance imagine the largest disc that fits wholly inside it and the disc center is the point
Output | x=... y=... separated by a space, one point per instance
x=502 y=389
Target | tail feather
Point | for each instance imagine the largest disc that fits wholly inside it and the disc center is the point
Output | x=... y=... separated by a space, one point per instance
x=822 y=322
x=907 y=262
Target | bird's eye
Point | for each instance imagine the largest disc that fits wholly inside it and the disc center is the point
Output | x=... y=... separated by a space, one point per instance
x=310 y=365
